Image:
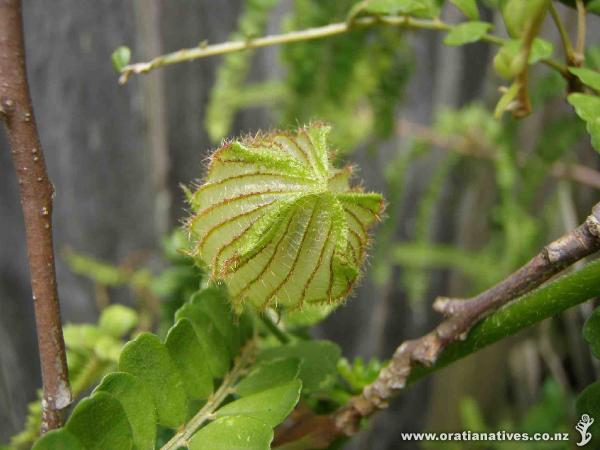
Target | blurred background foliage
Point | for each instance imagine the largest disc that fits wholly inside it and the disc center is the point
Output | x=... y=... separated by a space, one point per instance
x=470 y=198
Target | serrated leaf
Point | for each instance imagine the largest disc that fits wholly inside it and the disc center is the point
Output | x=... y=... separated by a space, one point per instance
x=121 y=57
x=466 y=33
x=588 y=108
x=270 y=407
x=137 y=404
x=214 y=302
x=269 y=204
x=233 y=433
x=588 y=403
x=509 y=60
x=99 y=423
x=591 y=332
x=587 y=76
x=318 y=367
x=268 y=375
x=211 y=340
x=58 y=440
x=468 y=8
x=117 y=320
x=148 y=359
x=188 y=355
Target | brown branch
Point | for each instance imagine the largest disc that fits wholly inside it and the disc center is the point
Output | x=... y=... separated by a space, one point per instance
x=320 y=431
x=36 y=193
x=470 y=147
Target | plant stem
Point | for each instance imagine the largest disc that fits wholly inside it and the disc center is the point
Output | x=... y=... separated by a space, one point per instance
x=568 y=291
x=181 y=438
x=273 y=328
x=564 y=36
x=580 y=44
x=415 y=358
x=334 y=29
x=36 y=192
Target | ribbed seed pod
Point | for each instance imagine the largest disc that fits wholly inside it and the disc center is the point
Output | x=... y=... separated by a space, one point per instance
x=278 y=224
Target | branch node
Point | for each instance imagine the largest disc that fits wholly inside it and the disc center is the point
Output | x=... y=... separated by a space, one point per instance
x=593 y=225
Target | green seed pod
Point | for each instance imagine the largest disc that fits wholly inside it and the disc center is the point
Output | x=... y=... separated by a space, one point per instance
x=278 y=224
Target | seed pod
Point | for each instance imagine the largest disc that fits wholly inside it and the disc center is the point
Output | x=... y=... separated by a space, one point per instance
x=278 y=224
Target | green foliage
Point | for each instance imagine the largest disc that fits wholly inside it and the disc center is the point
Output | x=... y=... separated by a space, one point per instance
x=468 y=7
x=466 y=33
x=235 y=432
x=358 y=374
x=508 y=62
x=120 y=58
x=318 y=361
x=591 y=332
x=158 y=383
x=268 y=205
x=417 y=8
x=588 y=108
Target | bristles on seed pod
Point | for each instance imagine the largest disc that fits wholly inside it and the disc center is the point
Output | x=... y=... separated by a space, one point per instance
x=278 y=223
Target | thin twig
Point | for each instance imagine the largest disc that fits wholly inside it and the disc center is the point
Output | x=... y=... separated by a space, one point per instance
x=580 y=44
x=334 y=29
x=564 y=35
x=462 y=315
x=36 y=193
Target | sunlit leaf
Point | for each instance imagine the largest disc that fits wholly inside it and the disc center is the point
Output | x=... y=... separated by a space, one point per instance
x=137 y=404
x=270 y=407
x=466 y=33
x=99 y=423
x=148 y=359
x=233 y=433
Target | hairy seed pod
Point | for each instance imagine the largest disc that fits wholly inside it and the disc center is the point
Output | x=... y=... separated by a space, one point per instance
x=278 y=224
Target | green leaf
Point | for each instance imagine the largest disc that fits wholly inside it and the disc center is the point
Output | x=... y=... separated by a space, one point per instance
x=121 y=57
x=100 y=423
x=188 y=355
x=519 y=14
x=117 y=320
x=233 y=433
x=588 y=108
x=270 y=407
x=587 y=76
x=466 y=33
x=319 y=359
x=215 y=303
x=211 y=340
x=137 y=404
x=468 y=8
x=419 y=8
x=509 y=60
x=278 y=224
x=148 y=359
x=588 y=402
x=58 y=440
x=268 y=375
x=591 y=332
x=541 y=49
